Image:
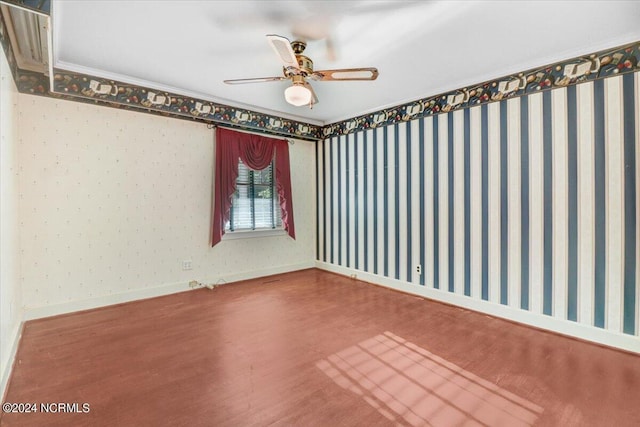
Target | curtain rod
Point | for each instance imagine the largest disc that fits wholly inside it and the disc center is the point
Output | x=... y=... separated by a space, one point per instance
x=210 y=126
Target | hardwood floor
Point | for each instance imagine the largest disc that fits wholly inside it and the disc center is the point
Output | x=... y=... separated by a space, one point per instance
x=312 y=348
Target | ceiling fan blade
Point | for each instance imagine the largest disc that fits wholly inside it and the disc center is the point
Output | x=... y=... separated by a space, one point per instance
x=282 y=48
x=255 y=80
x=314 y=97
x=346 y=74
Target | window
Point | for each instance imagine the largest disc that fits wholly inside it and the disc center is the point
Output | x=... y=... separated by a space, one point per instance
x=256 y=208
x=255 y=204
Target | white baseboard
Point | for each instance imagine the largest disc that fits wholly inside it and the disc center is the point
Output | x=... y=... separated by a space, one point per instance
x=561 y=326
x=6 y=372
x=261 y=273
x=31 y=313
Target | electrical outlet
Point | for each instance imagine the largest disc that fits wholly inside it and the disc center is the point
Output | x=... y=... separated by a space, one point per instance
x=186 y=264
x=194 y=284
x=419 y=269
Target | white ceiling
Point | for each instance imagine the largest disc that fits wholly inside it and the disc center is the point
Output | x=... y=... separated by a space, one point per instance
x=421 y=48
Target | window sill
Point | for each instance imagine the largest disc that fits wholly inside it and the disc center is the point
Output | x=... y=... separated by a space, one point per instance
x=250 y=234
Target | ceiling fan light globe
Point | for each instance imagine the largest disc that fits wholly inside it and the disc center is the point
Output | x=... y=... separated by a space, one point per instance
x=297 y=95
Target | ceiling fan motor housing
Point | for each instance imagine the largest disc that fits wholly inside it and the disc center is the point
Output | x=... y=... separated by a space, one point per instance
x=305 y=64
x=305 y=67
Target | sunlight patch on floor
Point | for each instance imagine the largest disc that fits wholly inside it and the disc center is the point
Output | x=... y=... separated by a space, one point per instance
x=412 y=386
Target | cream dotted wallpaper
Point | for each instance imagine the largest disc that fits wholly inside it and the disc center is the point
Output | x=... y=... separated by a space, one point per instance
x=10 y=294
x=113 y=201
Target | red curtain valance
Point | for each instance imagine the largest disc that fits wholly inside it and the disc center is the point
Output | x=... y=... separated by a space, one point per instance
x=256 y=152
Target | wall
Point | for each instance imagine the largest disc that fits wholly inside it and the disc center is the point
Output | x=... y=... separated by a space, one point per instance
x=10 y=295
x=526 y=208
x=113 y=201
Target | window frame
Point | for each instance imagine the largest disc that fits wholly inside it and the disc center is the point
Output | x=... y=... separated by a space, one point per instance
x=276 y=219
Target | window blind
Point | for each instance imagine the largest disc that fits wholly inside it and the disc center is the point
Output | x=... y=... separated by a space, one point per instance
x=255 y=203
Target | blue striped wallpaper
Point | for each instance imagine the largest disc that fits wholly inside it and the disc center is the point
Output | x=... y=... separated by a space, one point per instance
x=529 y=202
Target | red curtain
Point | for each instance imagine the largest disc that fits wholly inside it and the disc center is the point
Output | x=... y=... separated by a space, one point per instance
x=256 y=152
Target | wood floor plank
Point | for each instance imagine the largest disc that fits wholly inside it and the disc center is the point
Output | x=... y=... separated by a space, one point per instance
x=312 y=348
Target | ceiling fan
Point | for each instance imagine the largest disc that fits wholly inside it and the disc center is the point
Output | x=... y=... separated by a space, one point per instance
x=298 y=68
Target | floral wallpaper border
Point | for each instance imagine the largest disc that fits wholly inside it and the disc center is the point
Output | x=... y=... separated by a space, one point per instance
x=96 y=90
x=171 y=104
x=606 y=63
